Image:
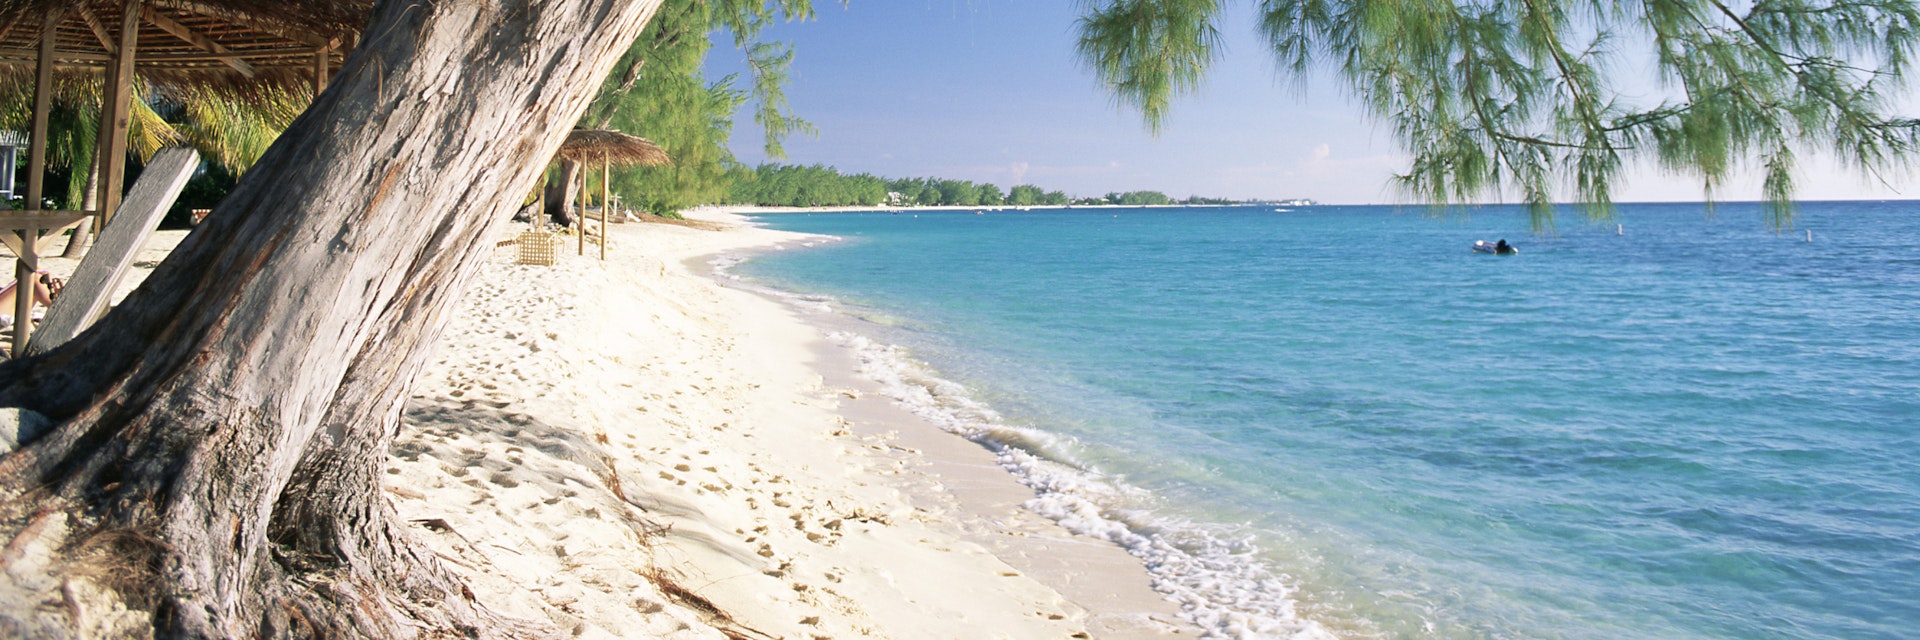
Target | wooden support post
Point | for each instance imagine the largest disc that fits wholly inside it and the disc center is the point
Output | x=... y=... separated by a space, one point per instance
x=42 y=107
x=606 y=199
x=22 y=304
x=117 y=101
x=320 y=61
x=25 y=233
x=23 y=267
x=102 y=150
x=580 y=221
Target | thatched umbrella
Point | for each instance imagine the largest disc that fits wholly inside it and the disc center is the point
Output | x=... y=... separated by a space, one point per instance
x=604 y=145
x=228 y=44
x=607 y=147
x=233 y=45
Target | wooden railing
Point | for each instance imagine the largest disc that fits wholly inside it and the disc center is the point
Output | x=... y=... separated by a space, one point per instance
x=27 y=233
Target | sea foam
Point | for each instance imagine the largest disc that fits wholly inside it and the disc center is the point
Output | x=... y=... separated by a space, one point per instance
x=1212 y=572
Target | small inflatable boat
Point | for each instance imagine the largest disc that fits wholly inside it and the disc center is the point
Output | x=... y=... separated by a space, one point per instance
x=1482 y=246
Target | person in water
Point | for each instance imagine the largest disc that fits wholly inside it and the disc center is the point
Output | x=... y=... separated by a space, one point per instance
x=1502 y=246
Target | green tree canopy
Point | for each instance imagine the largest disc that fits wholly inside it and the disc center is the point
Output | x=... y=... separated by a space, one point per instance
x=1022 y=195
x=658 y=91
x=806 y=186
x=1526 y=95
x=990 y=195
x=823 y=186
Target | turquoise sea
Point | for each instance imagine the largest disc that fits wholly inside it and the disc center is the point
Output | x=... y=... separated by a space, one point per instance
x=1340 y=421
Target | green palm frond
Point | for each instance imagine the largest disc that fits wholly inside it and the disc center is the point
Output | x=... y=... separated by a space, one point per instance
x=147 y=132
x=232 y=132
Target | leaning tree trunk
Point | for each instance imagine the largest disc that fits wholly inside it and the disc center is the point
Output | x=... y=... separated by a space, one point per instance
x=561 y=192
x=213 y=469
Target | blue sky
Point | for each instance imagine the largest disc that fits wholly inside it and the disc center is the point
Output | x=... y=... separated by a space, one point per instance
x=990 y=91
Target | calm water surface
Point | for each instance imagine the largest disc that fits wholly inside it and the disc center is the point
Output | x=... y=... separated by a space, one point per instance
x=1339 y=421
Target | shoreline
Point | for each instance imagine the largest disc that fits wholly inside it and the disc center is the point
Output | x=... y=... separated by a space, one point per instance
x=967 y=478
x=762 y=209
x=635 y=448
x=643 y=450
x=1219 y=592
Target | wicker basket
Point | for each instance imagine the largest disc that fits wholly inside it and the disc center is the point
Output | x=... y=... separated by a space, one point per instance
x=538 y=247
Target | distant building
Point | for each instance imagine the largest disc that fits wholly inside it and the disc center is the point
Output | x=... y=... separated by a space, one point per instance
x=10 y=144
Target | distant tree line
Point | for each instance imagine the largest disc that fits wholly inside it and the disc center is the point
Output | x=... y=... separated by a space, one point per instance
x=785 y=185
x=1149 y=198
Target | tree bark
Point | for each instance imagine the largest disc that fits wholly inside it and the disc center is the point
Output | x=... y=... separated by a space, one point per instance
x=213 y=468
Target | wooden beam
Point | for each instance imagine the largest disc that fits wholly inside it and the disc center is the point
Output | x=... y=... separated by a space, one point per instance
x=42 y=108
x=182 y=32
x=254 y=54
x=113 y=130
x=295 y=57
x=27 y=235
x=322 y=61
x=244 y=20
x=606 y=199
x=16 y=241
x=22 y=305
x=99 y=29
x=67 y=58
x=300 y=57
x=50 y=235
x=19 y=15
x=22 y=233
x=41 y=219
x=95 y=278
x=580 y=221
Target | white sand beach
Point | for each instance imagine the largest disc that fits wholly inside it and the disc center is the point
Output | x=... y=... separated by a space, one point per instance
x=629 y=448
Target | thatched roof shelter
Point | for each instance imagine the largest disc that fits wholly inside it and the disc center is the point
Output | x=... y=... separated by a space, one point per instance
x=230 y=45
x=599 y=145
x=227 y=45
x=195 y=42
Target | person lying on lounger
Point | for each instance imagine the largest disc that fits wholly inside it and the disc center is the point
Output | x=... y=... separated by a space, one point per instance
x=45 y=287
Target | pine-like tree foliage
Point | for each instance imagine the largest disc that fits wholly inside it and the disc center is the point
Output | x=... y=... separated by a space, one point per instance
x=1525 y=96
x=658 y=91
x=768 y=62
x=1146 y=51
x=787 y=185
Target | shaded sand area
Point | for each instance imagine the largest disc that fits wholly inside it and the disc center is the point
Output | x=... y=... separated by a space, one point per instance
x=630 y=449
